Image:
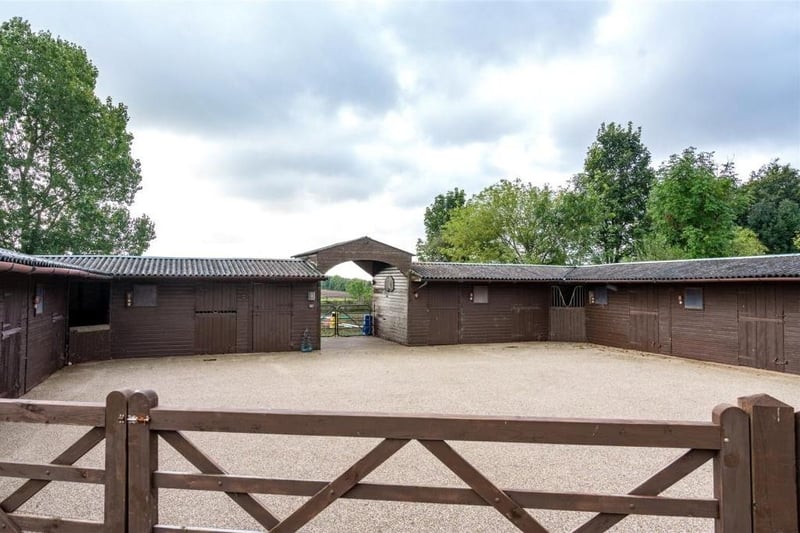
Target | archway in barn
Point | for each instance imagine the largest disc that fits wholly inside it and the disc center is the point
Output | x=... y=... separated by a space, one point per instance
x=388 y=267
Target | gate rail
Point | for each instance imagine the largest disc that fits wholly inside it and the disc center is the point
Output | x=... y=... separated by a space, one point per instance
x=752 y=448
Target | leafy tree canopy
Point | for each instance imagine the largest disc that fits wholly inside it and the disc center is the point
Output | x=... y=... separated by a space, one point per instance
x=773 y=210
x=436 y=216
x=693 y=205
x=509 y=222
x=67 y=177
x=615 y=182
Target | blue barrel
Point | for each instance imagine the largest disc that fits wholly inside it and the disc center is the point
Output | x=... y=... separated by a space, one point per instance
x=366 y=329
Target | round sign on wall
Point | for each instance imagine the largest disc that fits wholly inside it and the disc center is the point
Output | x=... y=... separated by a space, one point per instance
x=388 y=285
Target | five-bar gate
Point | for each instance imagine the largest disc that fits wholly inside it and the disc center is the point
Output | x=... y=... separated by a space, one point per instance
x=752 y=448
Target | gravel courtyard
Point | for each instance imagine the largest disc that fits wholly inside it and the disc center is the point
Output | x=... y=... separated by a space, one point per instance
x=367 y=374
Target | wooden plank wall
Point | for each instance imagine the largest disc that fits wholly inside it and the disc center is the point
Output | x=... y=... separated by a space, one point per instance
x=167 y=329
x=13 y=326
x=514 y=312
x=391 y=309
x=305 y=314
x=791 y=327
x=710 y=334
x=567 y=324
x=46 y=349
x=609 y=324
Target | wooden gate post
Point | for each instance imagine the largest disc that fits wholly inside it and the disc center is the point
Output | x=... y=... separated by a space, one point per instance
x=142 y=462
x=116 y=482
x=732 y=471
x=772 y=445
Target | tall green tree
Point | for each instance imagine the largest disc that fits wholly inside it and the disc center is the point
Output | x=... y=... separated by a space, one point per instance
x=615 y=184
x=436 y=216
x=67 y=177
x=694 y=204
x=773 y=210
x=508 y=222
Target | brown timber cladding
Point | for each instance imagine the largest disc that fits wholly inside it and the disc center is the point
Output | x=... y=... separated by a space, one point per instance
x=13 y=324
x=446 y=313
x=746 y=324
x=46 y=330
x=391 y=307
x=194 y=317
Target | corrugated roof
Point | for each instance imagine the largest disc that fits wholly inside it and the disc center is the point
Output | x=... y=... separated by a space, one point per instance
x=190 y=267
x=724 y=268
x=727 y=268
x=488 y=272
x=11 y=256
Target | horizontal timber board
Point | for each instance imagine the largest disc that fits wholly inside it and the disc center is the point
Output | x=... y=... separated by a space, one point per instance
x=162 y=528
x=52 y=472
x=596 y=503
x=62 y=525
x=51 y=412
x=591 y=432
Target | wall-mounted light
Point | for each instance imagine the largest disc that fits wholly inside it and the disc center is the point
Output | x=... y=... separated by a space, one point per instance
x=680 y=299
x=128 y=298
x=471 y=297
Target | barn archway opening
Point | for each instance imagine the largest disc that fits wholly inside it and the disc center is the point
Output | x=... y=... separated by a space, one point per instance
x=374 y=268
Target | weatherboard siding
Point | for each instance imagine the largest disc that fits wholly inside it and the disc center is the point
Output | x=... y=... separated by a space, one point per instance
x=609 y=324
x=391 y=308
x=46 y=332
x=166 y=329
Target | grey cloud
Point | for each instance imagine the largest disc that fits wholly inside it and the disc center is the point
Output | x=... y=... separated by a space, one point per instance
x=178 y=65
x=461 y=124
x=283 y=177
x=721 y=73
x=492 y=31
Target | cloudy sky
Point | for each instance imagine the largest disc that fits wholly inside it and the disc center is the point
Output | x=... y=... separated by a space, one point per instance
x=267 y=129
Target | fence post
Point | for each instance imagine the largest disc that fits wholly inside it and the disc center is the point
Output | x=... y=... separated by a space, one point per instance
x=116 y=483
x=142 y=462
x=772 y=449
x=732 y=471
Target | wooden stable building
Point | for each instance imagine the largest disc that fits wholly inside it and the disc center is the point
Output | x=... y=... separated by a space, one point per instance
x=72 y=309
x=57 y=310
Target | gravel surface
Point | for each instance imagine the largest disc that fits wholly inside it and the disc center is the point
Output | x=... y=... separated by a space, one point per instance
x=366 y=374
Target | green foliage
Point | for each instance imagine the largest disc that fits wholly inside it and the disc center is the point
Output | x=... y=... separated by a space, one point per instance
x=615 y=183
x=335 y=283
x=509 y=222
x=693 y=205
x=436 y=216
x=745 y=243
x=773 y=210
x=359 y=290
x=67 y=177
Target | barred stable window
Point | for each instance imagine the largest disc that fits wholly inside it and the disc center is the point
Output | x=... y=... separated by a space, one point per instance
x=598 y=296
x=145 y=296
x=480 y=294
x=693 y=299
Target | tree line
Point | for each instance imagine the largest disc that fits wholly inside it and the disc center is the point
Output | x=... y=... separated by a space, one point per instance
x=620 y=208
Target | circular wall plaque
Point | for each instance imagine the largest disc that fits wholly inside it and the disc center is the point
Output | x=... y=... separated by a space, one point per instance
x=389 y=284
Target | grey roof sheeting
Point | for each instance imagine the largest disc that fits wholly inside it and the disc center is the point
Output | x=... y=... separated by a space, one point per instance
x=189 y=267
x=726 y=268
x=488 y=272
x=11 y=256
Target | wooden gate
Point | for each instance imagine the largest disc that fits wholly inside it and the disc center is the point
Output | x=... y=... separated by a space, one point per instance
x=751 y=446
x=644 y=318
x=272 y=317
x=761 y=327
x=443 y=311
x=215 y=318
x=132 y=422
